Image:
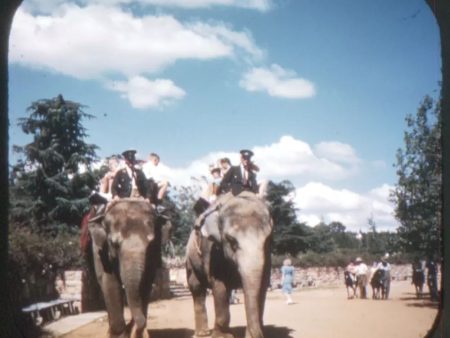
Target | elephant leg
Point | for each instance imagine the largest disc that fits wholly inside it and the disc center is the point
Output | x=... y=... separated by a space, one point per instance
x=222 y=310
x=262 y=303
x=198 y=292
x=139 y=334
x=201 y=317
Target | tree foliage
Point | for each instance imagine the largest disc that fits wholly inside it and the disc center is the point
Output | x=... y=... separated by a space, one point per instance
x=289 y=235
x=418 y=191
x=183 y=217
x=52 y=180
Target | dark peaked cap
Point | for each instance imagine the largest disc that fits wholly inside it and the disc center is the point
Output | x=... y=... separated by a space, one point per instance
x=129 y=155
x=246 y=153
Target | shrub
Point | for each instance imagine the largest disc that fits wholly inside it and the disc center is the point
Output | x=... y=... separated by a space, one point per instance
x=35 y=259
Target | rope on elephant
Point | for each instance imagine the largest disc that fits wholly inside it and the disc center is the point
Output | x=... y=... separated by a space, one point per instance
x=197 y=241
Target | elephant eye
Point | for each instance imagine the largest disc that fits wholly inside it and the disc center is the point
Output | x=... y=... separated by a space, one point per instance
x=232 y=241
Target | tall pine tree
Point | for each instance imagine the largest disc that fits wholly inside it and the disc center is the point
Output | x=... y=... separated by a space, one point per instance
x=52 y=180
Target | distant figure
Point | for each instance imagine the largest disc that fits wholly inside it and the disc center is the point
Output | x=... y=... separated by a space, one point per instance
x=432 y=279
x=361 y=277
x=350 y=280
x=233 y=298
x=418 y=277
x=287 y=279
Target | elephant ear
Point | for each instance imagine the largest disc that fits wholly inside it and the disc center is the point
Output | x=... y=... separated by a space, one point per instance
x=211 y=228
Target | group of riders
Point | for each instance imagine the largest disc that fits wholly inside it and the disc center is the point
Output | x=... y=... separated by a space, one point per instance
x=128 y=177
x=358 y=275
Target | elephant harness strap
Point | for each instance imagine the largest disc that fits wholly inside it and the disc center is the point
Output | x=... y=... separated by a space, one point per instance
x=198 y=241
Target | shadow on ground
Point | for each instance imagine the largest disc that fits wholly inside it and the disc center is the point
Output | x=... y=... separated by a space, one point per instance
x=270 y=331
x=424 y=301
x=171 y=333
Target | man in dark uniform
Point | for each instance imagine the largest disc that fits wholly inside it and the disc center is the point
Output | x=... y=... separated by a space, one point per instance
x=129 y=181
x=237 y=179
x=240 y=178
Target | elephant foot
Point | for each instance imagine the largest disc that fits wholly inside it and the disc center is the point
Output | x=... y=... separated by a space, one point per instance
x=218 y=334
x=139 y=334
x=202 y=333
x=121 y=335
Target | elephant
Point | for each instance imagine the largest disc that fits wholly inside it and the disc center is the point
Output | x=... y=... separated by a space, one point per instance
x=236 y=254
x=127 y=253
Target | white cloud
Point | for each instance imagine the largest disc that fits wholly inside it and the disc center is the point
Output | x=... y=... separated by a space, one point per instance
x=277 y=82
x=320 y=202
x=94 y=41
x=47 y=6
x=317 y=201
x=143 y=93
x=289 y=158
x=336 y=151
x=261 y=5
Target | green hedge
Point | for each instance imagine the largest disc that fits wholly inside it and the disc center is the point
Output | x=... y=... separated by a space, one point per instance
x=35 y=259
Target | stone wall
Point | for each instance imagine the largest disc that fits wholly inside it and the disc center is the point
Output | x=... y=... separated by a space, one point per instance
x=308 y=277
x=70 y=287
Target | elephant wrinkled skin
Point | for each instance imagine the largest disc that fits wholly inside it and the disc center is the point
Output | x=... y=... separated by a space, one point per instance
x=127 y=253
x=239 y=257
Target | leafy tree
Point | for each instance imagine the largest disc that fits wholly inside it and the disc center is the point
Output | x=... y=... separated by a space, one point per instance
x=322 y=239
x=418 y=191
x=289 y=236
x=375 y=243
x=343 y=239
x=183 y=216
x=53 y=179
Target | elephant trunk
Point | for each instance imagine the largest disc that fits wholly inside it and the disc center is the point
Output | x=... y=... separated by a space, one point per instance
x=132 y=270
x=251 y=267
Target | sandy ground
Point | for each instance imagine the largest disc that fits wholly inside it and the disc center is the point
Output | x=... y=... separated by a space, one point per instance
x=315 y=313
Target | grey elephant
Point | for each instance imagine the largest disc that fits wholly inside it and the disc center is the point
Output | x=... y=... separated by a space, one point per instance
x=235 y=254
x=127 y=253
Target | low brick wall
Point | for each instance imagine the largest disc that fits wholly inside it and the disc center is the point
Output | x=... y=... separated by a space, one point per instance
x=308 y=277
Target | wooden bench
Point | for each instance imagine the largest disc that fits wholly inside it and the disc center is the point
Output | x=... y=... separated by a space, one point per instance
x=51 y=310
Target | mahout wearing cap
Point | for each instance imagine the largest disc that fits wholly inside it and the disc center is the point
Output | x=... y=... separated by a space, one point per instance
x=245 y=153
x=129 y=155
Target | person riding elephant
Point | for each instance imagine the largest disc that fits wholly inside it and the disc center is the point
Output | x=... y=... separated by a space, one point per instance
x=240 y=178
x=129 y=181
x=236 y=254
x=126 y=248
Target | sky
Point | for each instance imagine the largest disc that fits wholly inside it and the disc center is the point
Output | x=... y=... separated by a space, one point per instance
x=319 y=90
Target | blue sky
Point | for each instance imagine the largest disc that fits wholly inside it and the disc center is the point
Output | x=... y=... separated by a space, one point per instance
x=318 y=89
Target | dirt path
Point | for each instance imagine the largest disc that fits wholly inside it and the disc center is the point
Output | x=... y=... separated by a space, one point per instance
x=316 y=313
